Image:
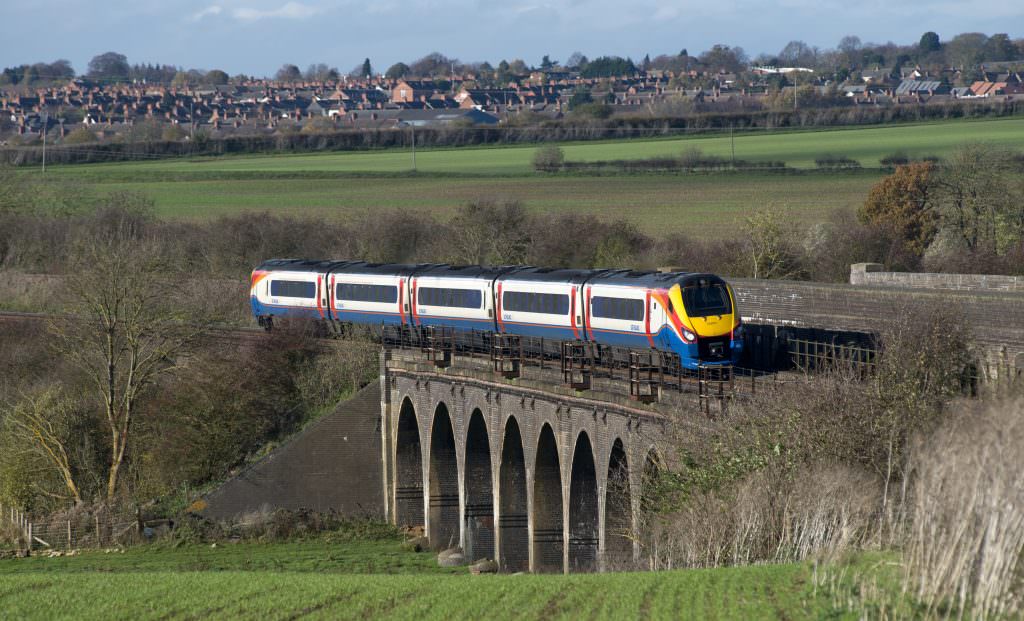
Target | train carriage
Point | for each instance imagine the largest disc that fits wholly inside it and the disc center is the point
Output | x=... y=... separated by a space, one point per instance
x=692 y=315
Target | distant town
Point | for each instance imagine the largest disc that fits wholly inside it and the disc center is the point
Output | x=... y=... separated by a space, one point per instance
x=117 y=101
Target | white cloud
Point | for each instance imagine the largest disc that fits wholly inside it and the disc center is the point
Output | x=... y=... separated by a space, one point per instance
x=209 y=11
x=290 y=10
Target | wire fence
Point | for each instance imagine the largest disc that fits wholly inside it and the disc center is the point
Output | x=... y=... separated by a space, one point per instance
x=98 y=529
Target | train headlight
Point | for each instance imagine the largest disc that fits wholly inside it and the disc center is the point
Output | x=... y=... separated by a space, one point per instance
x=688 y=336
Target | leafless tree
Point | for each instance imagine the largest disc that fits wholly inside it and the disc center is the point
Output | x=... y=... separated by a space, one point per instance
x=123 y=329
x=42 y=422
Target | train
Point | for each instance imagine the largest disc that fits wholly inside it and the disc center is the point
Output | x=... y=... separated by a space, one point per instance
x=692 y=315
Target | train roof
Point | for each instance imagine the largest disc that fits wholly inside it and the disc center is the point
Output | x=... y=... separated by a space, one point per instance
x=550 y=274
x=300 y=265
x=652 y=279
x=386 y=269
x=634 y=278
x=463 y=271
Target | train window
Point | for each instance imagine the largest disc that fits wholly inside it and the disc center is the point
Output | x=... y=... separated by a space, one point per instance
x=709 y=299
x=455 y=298
x=351 y=292
x=292 y=289
x=617 y=308
x=525 y=302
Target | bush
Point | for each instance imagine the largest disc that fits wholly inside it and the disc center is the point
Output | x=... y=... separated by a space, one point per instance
x=836 y=162
x=548 y=159
x=80 y=135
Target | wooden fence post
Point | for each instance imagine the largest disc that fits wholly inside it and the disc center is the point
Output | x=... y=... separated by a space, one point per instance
x=69 y=535
x=99 y=537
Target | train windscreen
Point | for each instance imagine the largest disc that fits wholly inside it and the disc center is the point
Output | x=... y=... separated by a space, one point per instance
x=705 y=299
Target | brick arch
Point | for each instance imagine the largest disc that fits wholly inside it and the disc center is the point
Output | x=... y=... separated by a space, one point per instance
x=512 y=502
x=548 y=525
x=443 y=521
x=583 y=507
x=408 y=468
x=479 y=490
x=618 y=510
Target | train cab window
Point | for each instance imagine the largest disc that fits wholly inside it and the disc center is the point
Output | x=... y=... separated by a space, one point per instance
x=707 y=299
x=526 y=302
x=624 y=309
x=292 y=289
x=452 y=298
x=352 y=292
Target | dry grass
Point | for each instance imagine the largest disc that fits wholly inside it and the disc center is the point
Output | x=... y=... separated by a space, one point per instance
x=823 y=512
x=966 y=540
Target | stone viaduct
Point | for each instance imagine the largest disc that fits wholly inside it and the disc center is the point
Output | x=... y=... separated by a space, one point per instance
x=526 y=472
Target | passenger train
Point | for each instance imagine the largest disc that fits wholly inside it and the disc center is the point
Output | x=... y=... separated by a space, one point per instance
x=692 y=315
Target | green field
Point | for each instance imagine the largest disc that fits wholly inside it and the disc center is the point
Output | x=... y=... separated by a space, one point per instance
x=374 y=580
x=352 y=184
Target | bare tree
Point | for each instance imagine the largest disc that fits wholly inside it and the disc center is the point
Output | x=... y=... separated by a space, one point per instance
x=42 y=422
x=771 y=255
x=124 y=329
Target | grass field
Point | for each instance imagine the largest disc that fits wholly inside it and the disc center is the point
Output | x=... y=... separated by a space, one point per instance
x=374 y=580
x=352 y=184
x=706 y=204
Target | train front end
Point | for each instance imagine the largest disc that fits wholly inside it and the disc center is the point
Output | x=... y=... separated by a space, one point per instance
x=702 y=309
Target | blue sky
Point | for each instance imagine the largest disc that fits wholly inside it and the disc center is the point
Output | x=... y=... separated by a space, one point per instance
x=257 y=36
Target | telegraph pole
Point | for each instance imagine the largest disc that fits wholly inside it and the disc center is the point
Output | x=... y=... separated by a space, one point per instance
x=413 y=128
x=732 y=143
x=46 y=121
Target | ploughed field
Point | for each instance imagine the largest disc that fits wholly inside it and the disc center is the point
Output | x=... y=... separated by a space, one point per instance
x=375 y=579
x=354 y=183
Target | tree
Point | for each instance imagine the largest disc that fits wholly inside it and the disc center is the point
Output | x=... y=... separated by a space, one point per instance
x=127 y=331
x=580 y=97
x=548 y=158
x=608 y=66
x=546 y=64
x=850 y=47
x=966 y=50
x=319 y=72
x=432 y=64
x=770 y=253
x=367 y=71
x=486 y=232
x=980 y=197
x=903 y=203
x=216 y=77
x=724 y=58
x=396 y=71
x=288 y=73
x=82 y=135
x=576 y=61
x=44 y=423
x=111 y=67
x=999 y=48
x=797 y=54
x=929 y=43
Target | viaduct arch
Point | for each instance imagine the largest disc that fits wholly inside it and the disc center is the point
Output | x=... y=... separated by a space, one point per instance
x=538 y=482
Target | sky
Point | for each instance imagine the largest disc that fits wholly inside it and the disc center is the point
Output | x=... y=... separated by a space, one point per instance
x=256 y=37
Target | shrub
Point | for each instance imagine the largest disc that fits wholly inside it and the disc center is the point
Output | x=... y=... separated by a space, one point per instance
x=548 y=159
x=80 y=135
x=836 y=162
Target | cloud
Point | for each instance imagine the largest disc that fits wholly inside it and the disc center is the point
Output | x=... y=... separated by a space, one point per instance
x=207 y=12
x=290 y=10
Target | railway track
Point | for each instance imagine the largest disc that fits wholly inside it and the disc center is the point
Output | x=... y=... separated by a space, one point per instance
x=645 y=380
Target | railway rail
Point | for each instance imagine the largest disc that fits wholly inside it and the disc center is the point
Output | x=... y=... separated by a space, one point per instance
x=646 y=373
